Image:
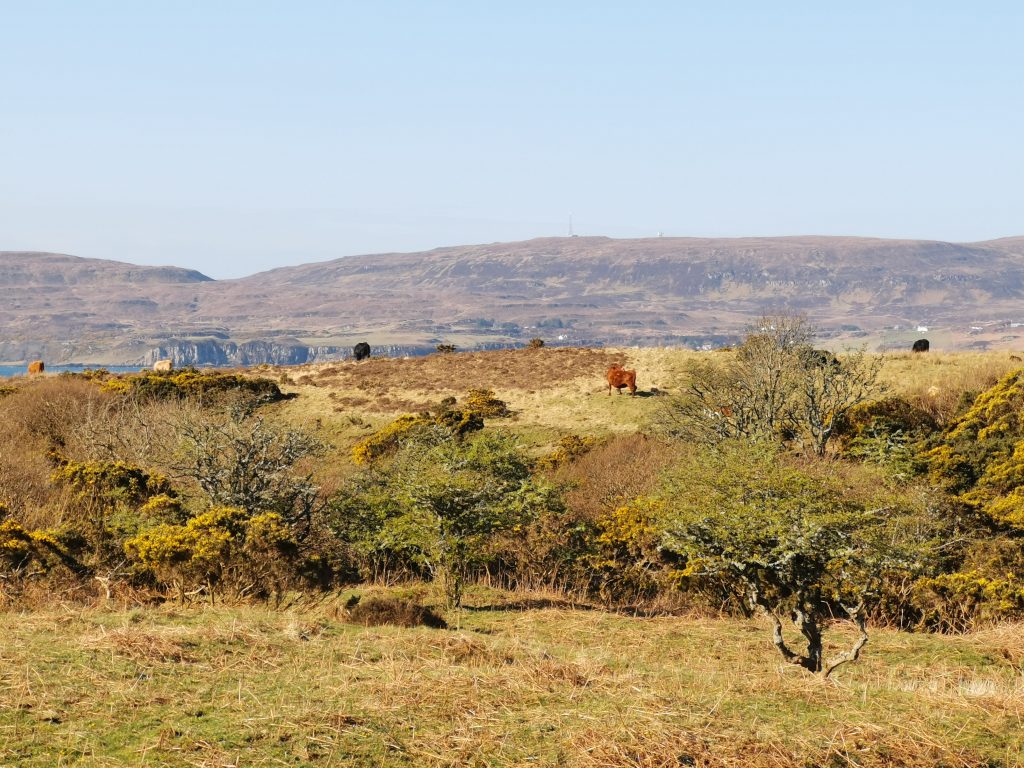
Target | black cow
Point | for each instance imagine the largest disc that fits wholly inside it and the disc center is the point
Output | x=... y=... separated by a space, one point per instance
x=921 y=345
x=822 y=358
x=361 y=351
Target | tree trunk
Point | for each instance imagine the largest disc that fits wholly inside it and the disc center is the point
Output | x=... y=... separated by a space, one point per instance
x=809 y=628
x=857 y=614
x=757 y=602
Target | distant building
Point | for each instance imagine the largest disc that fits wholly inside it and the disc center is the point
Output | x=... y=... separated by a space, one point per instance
x=922 y=329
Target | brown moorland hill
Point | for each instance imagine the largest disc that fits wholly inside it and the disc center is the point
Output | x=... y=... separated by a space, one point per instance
x=584 y=290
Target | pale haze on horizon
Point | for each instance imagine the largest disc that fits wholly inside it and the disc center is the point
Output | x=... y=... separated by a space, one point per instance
x=233 y=137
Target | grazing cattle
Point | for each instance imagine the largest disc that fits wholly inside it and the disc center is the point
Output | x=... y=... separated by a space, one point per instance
x=361 y=351
x=921 y=345
x=163 y=366
x=619 y=377
x=822 y=358
x=36 y=366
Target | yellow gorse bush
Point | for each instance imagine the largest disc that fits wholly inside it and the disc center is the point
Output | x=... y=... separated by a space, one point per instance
x=19 y=545
x=981 y=456
x=631 y=528
x=268 y=531
x=385 y=440
x=15 y=542
x=222 y=539
x=569 y=447
x=109 y=477
x=959 y=600
x=485 y=403
x=389 y=438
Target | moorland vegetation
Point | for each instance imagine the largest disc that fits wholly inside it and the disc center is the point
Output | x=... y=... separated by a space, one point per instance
x=827 y=496
x=775 y=474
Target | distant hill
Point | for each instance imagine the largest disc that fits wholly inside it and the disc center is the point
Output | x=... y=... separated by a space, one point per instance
x=580 y=290
x=31 y=268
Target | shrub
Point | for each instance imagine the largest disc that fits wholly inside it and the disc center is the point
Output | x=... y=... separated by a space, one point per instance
x=890 y=415
x=889 y=432
x=20 y=547
x=960 y=601
x=240 y=460
x=52 y=409
x=442 y=501
x=549 y=547
x=385 y=440
x=809 y=541
x=613 y=473
x=445 y=349
x=15 y=543
x=536 y=343
x=188 y=555
x=986 y=587
x=388 y=439
x=484 y=403
x=629 y=550
x=570 y=447
x=162 y=508
x=776 y=389
x=980 y=458
x=208 y=387
x=223 y=547
x=104 y=492
x=110 y=479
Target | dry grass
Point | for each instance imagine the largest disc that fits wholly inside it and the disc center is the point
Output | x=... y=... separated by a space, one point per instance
x=555 y=391
x=249 y=686
x=550 y=391
x=453 y=374
x=938 y=382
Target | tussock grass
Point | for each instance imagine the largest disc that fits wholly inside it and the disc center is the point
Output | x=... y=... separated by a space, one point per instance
x=382 y=610
x=541 y=686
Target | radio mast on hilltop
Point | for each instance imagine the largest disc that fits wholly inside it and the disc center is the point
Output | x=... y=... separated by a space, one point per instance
x=571 y=233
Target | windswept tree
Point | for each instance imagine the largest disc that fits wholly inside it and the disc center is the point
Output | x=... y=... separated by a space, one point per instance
x=806 y=540
x=777 y=388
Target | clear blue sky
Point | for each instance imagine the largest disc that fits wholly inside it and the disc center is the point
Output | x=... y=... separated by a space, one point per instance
x=237 y=136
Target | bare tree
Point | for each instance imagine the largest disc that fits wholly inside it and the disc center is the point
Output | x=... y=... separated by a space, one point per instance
x=241 y=460
x=829 y=389
x=776 y=388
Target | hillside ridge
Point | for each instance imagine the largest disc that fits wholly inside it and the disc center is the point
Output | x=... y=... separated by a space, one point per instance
x=588 y=290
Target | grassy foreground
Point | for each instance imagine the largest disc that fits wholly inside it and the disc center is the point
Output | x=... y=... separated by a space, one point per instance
x=536 y=684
